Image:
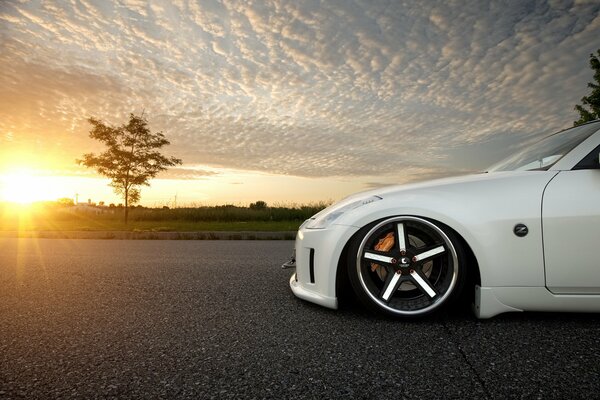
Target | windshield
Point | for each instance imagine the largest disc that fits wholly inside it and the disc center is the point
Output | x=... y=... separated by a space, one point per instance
x=545 y=153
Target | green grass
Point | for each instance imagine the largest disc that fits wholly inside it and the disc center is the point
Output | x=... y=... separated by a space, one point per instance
x=50 y=217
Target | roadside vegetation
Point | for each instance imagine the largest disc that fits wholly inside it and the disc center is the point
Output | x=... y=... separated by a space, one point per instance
x=65 y=216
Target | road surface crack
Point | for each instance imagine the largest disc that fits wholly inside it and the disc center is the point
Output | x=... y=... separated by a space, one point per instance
x=478 y=377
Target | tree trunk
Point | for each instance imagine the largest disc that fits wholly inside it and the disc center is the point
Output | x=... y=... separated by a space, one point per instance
x=126 y=205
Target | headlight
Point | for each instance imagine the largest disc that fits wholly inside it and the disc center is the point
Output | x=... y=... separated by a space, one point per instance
x=323 y=219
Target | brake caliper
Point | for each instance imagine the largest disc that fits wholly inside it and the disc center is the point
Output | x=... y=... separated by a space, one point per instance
x=384 y=244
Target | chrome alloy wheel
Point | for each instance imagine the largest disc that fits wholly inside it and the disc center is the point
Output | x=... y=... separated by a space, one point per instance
x=406 y=266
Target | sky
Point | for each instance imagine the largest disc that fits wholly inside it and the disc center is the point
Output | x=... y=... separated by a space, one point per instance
x=287 y=102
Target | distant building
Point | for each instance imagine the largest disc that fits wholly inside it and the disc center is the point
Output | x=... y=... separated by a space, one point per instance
x=91 y=208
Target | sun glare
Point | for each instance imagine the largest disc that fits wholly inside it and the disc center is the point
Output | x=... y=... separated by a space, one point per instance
x=21 y=186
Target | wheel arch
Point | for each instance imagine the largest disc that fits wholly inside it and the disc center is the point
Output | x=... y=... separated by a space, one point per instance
x=343 y=290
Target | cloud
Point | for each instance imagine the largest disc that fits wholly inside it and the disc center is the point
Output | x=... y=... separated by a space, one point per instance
x=186 y=173
x=353 y=88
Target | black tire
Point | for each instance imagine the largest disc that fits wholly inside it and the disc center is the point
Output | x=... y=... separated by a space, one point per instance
x=421 y=273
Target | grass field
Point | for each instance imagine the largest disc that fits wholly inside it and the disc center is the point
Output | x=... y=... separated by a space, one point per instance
x=54 y=217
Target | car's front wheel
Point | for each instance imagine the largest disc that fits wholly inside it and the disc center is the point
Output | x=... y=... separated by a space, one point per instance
x=406 y=266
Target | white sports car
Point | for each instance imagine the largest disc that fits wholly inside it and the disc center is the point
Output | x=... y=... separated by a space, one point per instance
x=525 y=236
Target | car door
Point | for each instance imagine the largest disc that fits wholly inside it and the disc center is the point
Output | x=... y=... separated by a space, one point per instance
x=571 y=229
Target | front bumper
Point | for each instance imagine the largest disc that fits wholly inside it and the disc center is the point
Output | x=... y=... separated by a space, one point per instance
x=317 y=255
x=302 y=293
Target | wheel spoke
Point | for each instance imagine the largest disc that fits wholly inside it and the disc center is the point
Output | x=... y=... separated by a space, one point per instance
x=379 y=257
x=422 y=283
x=429 y=253
x=391 y=285
x=401 y=236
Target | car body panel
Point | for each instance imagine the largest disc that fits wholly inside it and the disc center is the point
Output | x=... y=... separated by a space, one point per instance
x=572 y=234
x=491 y=301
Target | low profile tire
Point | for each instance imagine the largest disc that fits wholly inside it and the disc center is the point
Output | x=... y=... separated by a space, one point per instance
x=406 y=266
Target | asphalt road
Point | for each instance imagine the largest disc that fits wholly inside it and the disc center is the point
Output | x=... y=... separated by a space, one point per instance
x=215 y=319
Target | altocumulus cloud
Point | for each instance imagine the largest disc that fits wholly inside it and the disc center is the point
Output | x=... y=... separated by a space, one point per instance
x=308 y=88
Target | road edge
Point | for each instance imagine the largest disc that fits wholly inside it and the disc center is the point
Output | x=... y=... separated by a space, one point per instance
x=147 y=235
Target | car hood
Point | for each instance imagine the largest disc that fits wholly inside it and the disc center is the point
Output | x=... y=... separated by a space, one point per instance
x=498 y=185
x=455 y=181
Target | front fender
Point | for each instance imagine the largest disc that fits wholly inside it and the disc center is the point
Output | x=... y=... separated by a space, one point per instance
x=484 y=213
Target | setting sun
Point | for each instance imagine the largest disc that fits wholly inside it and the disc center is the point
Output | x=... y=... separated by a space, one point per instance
x=26 y=186
x=21 y=186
